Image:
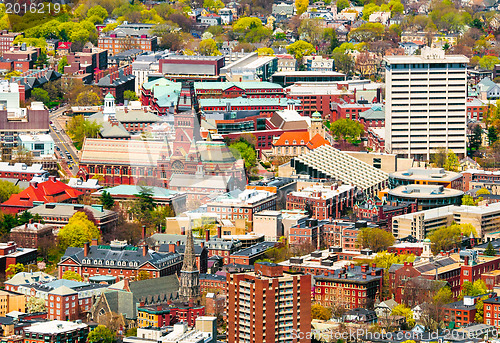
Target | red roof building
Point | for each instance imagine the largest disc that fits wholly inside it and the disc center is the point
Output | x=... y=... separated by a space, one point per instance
x=45 y=192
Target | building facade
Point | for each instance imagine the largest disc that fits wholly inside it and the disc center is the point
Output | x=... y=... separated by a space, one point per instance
x=269 y=305
x=426 y=104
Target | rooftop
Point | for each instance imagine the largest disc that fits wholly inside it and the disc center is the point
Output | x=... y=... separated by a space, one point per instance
x=54 y=327
x=439 y=174
x=424 y=191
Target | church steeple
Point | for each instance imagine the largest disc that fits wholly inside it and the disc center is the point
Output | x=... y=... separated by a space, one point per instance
x=189 y=284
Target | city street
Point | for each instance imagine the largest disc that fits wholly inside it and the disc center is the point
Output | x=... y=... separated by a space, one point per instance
x=64 y=149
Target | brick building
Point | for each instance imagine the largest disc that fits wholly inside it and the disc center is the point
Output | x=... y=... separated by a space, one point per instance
x=251 y=254
x=476 y=109
x=167 y=314
x=10 y=253
x=226 y=90
x=117 y=82
x=375 y=211
x=323 y=201
x=343 y=234
x=7 y=39
x=309 y=231
x=491 y=313
x=267 y=293
x=213 y=282
x=350 y=287
x=31 y=234
x=242 y=205
x=463 y=312
x=21 y=58
x=118 y=259
x=115 y=43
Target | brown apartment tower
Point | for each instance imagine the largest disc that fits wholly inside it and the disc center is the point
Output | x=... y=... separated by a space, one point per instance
x=268 y=305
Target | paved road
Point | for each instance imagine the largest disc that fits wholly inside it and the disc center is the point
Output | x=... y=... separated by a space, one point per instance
x=63 y=145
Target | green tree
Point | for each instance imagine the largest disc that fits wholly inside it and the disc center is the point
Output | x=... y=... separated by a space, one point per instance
x=78 y=129
x=375 y=239
x=40 y=94
x=301 y=6
x=78 y=231
x=367 y=32
x=107 y=200
x=142 y=207
x=483 y=191
x=490 y=251
x=36 y=305
x=132 y=332
x=143 y=275
x=476 y=139
x=342 y=4
x=13 y=269
x=320 y=312
x=488 y=62
x=467 y=200
x=402 y=310
x=265 y=52
x=71 y=275
x=98 y=11
x=130 y=95
x=452 y=163
x=208 y=47
x=62 y=63
x=447 y=238
x=473 y=289
x=101 y=334
x=7 y=189
x=299 y=49
x=347 y=130
x=88 y=98
x=492 y=135
x=245 y=151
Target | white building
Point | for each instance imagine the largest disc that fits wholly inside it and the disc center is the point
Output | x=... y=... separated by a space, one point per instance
x=426 y=104
x=226 y=15
x=41 y=145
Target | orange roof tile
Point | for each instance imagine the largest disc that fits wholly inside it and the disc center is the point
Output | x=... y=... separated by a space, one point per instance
x=316 y=142
x=48 y=191
x=288 y=139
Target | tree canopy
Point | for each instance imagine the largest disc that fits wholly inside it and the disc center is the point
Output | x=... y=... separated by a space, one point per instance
x=450 y=237
x=71 y=275
x=101 y=334
x=7 y=189
x=78 y=231
x=299 y=49
x=375 y=239
x=107 y=200
x=347 y=130
x=320 y=312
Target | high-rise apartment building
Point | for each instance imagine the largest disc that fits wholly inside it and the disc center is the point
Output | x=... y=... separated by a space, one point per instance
x=268 y=305
x=426 y=104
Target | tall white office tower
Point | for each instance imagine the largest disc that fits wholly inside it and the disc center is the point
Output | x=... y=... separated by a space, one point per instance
x=426 y=104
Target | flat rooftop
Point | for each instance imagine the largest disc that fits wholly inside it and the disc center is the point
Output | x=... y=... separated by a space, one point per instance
x=434 y=174
x=424 y=191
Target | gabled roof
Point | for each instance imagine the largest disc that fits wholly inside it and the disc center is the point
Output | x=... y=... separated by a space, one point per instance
x=48 y=191
x=316 y=142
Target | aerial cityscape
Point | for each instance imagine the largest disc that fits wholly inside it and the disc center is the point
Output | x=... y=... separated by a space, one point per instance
x=249 y=171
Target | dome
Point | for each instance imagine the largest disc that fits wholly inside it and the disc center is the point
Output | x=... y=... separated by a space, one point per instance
x=109 y=96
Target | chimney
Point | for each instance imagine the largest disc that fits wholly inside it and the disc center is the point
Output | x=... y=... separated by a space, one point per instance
x=202 y=244
x=144 y=250
x=52 y=178
x=219 y=231
x=34 y=184
x=144 y=232
x=26 y=225
x=363 y=268
x=207 y=235
x=373 y=273
x=86 y=249
x=171 y=248
x=178 y=243
x=374 y=265
x=94 y=241
x=31 y=221
x=364 y=276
